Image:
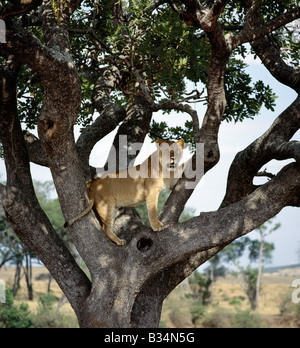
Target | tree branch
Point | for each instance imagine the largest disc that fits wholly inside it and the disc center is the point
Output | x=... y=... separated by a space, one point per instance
x=208 y=133
x=270 y=55
x=287 y=150
x=271 y=145
x=216 y=229
x=18 y=7
x=35 y=150
x=55 y=24
x=256 y=32
x=208 y=21
x=2 y=193
x=110 y=116
x=175 y=105
x=265 y=174
x=21 y=206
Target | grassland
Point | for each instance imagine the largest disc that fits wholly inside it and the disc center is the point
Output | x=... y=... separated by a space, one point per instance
x=229 y=300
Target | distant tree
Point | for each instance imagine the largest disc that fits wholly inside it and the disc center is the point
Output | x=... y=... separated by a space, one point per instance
x=199 y=285
x=13 y=252
x=259 y=251
x=7 y=240
x=265 y=250
x=215 y=270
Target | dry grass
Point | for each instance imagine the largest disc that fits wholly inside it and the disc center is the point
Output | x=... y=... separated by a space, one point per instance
x=228 y=294
x=40 y=287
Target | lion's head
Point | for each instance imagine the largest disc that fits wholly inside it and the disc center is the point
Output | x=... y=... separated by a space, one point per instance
x=170 y=154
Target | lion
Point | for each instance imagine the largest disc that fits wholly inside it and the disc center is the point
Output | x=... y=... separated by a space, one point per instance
x=135 y=185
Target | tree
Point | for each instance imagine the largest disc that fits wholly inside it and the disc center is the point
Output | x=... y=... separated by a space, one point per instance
x=259 y=251
x=264 y=254
x=13 y=252
x=215 y=271
x=63 y=61
x=200 y=284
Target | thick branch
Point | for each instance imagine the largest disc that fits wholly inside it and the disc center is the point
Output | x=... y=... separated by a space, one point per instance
x=287 y=150
x=35 y=150
x=217 y=229
x=33 y=228
x=18 y=7
x=135 y=127
x=256 y=32
x=271 y=57
x=209 y=19
x=175 y=105
x=110 y=116
x=271 y=145
x=208 y=134
x=21 y=206
x=2 y=193
x=55 y=25
x=266 y=50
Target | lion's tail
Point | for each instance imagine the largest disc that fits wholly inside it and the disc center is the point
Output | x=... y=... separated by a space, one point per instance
x=90 y=206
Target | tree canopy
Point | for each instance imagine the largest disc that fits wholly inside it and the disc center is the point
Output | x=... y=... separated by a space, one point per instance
x=110 y=65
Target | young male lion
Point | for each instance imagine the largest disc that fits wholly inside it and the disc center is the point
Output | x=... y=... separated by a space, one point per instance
x=135 y=185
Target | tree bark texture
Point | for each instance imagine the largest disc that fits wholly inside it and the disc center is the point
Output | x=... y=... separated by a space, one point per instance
x=127 y=285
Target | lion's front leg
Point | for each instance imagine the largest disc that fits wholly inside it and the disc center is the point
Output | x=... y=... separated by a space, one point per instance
x=151 y=202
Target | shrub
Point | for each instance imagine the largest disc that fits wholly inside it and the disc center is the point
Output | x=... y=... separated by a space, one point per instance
x=12 y=316
x=225 y=318
x=286 y=304
x=246 y=319
x=181 y=317
x=49 y=317
x=197 y=311
x=218 y=318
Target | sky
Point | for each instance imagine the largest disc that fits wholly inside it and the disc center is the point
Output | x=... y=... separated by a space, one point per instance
x=232 y=138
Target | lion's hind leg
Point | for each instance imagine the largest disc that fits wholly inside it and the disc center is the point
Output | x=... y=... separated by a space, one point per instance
x=107 y=213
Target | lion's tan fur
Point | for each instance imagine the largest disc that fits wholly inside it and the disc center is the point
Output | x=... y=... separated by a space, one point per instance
x=133 y=186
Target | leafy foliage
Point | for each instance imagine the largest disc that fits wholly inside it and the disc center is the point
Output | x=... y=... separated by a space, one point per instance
x=12 y=316
x=245 y=100
x=165 y=51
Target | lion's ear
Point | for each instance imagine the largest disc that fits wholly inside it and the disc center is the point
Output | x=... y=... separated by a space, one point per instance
x=159 y=142
x=181 y=143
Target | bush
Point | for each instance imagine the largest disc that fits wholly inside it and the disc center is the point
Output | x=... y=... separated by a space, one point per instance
x=181 y=317
x=46 y=302
x=12 y=316
x=218 y=318
x=225 y=318
x=49 y=317
x=197 y=311
x=247 y=319
x=286 y=306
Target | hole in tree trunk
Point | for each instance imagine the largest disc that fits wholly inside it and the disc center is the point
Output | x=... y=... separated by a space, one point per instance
x=50 y=124
x=144 y=244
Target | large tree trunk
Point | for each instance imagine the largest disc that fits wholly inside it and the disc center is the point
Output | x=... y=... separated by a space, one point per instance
x=128 y=284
